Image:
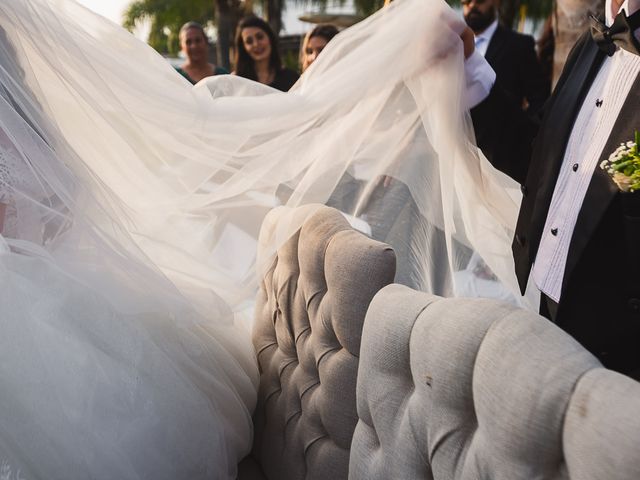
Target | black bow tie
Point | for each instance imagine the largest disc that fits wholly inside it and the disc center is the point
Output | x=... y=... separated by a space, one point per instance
x=620 y=34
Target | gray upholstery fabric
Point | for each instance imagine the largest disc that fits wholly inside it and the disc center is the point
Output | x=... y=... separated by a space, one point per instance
x=248 y=469
x=307 y=333
x=475 y=389
x=602 y=427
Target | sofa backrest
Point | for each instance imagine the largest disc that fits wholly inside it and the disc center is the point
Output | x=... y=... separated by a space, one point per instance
x=477 y=389
x=307 y=331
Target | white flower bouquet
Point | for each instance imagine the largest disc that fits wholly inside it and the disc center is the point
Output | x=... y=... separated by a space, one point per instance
x=623 y=165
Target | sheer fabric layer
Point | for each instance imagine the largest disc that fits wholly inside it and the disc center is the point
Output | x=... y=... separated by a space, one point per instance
x=129 y=259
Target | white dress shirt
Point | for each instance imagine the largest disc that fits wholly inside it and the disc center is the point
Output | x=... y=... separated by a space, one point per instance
x=482 y=39
x=584 y=150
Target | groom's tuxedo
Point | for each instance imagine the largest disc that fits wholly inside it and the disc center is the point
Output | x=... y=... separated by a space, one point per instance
x=600 y=294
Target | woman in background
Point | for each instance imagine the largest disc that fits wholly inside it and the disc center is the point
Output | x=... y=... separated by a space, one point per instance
x=314 y=42
x=195 y=45
x=257 y=56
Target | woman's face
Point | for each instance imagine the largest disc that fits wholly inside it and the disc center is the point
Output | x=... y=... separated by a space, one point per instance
x=194 y=45
x=256 y=43
x=314 y=46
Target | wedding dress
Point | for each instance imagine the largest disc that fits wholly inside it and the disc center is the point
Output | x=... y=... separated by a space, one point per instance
x=140 y=213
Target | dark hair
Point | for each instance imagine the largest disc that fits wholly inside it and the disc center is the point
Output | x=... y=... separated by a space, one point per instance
x=244 y=66
x=324 y=30
x=195 y=25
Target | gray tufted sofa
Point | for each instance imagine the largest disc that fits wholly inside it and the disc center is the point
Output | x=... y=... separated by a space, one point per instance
x=308 y=325
x=475 y=389
x=447 y=389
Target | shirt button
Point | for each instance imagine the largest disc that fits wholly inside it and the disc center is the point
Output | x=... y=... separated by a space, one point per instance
x=575 y=167
x=554 y=231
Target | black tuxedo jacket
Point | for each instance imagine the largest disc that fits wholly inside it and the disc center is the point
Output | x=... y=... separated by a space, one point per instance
x=600 y=300
x=518 y=72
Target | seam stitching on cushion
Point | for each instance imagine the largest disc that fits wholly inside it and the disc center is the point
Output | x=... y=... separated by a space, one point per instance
x=291 y=417
x=322 y=291
x=306 y=329
x=492 y=327
x=318 y=438
x=418 y=315
x=324 y=354
x=274 y=392
x=566 y=408
x=283 y=366
x=413 y=381
x=262 y=349
x=509 y=314
x=304 y=392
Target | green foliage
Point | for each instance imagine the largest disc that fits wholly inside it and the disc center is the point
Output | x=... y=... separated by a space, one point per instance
x=536 y=9
x=290 y=60
x=166 y=17
x=367 y=7
x=363 y=7
x=539 y=9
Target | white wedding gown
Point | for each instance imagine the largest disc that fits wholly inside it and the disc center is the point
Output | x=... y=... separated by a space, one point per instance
x=134 y=205
x=102 y=378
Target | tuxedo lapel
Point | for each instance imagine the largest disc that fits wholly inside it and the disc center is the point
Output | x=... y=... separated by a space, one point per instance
x=496 y=45
x=602 y=189
x=559 y=124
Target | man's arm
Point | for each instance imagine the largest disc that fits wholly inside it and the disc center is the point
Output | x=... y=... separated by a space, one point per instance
x=505 y=133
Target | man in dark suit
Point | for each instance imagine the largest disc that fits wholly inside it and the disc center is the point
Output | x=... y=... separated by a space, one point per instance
x=511 y=55
x=577 y=234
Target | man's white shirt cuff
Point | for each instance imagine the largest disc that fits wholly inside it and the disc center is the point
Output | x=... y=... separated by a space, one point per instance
x=480 y=79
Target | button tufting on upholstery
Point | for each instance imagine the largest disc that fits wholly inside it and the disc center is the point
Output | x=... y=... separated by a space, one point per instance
x=516 y=397
x=326 y=276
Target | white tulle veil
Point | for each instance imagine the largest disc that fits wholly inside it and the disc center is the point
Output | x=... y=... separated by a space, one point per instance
x=145 y=197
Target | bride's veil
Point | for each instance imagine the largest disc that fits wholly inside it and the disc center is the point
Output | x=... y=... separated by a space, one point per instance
x=375 y=128
x=151 y=195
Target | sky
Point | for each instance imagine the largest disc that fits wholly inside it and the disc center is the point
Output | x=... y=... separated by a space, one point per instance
x=112 y=9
